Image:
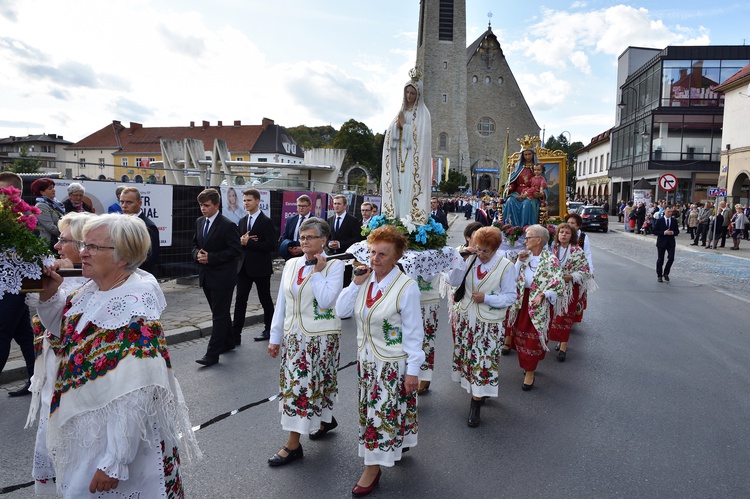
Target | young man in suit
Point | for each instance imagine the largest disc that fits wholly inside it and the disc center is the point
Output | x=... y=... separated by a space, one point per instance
x=482 y=216
x=437 y=214
x=216 y=248
x=665 y=228
x=289 y=245
x=131 y=204
x=257 y=240
x=345 y=231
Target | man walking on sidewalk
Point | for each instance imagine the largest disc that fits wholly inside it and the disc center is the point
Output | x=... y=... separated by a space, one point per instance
x=665 y=228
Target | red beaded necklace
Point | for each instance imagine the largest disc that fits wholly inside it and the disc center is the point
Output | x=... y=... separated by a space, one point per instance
x=370 y=299
x=299 y=276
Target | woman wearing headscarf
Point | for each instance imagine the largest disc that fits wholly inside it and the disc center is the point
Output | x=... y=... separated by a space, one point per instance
x=577 y=276
x=306 y=330
x=539 y=282
x=488 y=282
x=407 y=159
x=385 y=305
x=50 y=209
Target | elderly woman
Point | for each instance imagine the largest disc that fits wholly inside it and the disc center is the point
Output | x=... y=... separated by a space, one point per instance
x=577 y=275
x=117 y=416
x=75 y=201
x=306 y=331
x=50 y=209
x=488 y=283
x=739 y=225
x=692 y=220
x=46 y=363
x=539 y=282
x=385 y=304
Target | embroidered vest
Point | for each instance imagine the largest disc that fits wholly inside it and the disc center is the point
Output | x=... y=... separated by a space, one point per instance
x=381 y=328
x=428 y=291
x=302 y=308
x=491 y=281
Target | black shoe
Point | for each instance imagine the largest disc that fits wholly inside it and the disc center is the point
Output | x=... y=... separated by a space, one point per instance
x=505 y=351
x=207 y=361
x=693 y=244
x=659 y=279
x=560 y=356
x=317 y=434
x=277 y=460
x=474 y=410
x=21 y=392
x=263 y=336
x=526 y=387
x=666 y=277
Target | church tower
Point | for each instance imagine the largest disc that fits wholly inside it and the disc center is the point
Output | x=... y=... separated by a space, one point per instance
x=441 y=55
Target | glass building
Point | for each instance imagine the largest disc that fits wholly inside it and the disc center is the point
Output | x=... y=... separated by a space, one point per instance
x=670 y=117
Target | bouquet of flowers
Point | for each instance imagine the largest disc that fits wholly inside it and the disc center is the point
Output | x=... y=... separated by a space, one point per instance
x=511 y=233
x=22 y=253
x=421 y=237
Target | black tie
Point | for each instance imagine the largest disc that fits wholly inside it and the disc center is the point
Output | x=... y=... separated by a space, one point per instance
x=338 y=224
x=205 y=229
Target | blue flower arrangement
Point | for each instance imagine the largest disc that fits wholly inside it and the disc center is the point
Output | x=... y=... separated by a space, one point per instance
x=421 y=237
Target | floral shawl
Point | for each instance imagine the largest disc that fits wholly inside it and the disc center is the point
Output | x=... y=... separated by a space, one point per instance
x=576 y=265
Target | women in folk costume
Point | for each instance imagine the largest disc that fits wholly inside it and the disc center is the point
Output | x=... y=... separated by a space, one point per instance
x=429 y=302
x=407 y=158
x=577 y=276
x=539 y=282
x=385 y=305
x=46 y=363
x=118 y=421
x=489 y=282
x=306 y=330
x=575 y=220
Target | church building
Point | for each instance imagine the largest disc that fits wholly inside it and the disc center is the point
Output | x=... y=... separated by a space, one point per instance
x=471 y=93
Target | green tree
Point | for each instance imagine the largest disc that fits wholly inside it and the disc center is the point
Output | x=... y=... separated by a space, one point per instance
x=359 y=142
x=25 y=163
x=561 y=143
x=451 y=184
x=313 y=137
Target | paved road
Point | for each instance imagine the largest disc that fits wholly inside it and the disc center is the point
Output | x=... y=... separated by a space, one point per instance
x=651 y=402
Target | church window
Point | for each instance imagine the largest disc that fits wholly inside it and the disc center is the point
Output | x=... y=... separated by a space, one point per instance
x=445 y=25
x=487 y=79
x=445 y=64
x=500 y=80
x=474 y=79
x=445 y=97
x=486 y=126
x=443 y=142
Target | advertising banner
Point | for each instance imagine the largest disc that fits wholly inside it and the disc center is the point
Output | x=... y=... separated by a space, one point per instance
x=289 y=205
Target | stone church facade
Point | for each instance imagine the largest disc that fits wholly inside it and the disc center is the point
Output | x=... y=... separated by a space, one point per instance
x=471 y=93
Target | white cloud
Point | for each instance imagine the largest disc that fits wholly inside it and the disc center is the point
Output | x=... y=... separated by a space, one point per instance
x=545 y=90
x=581 y=61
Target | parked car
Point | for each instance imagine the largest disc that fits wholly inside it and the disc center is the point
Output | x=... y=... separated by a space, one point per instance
x=594 y=218
x=574 y=206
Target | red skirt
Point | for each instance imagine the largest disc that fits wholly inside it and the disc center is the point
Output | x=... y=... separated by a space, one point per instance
x=559 y=329
x=580 y=305
x=525 y=338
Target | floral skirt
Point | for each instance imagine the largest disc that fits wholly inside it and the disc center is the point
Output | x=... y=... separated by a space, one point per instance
x=308 y=380
x=476 y=353
x=525 y=338
x=560 y=327
x=387 y=415
x=430 y=322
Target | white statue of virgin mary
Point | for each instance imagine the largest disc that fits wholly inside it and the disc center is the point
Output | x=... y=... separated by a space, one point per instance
x=407 y=157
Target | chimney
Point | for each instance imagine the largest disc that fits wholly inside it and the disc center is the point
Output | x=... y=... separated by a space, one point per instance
x=116 y=122
x=59 y=137
x=237 y=123
x=192 y=124
x=267 y=122
x=135 y=126
x=53 y=136
x=218 y=123
x=206 y=124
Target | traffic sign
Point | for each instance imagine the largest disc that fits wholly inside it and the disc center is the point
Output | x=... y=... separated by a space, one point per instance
x=717 y=192
x=668 y=182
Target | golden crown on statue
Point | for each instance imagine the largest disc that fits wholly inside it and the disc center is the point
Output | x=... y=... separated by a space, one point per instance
x=415 y=73
x=528 y=141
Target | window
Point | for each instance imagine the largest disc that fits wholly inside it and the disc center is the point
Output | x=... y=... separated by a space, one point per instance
x=500 y=80
x=486 y=126
x=445 y=24
x=262 y=160
x=445 y=97
x=488 y=80
x=124 y=162
x=474 y=79
x=445 y=64
x=82 y=162
x=443 y=142
x=240 y=158
x=101 y=162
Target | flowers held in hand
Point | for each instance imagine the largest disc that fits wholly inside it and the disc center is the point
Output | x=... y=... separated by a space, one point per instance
x=421 y=237
x=17 y=222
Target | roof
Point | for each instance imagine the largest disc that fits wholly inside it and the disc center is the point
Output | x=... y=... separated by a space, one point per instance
x=595 y=141
x=737 y=79
x=472 y=49
x=275 y=139
x=139 y=139
x=52 y=138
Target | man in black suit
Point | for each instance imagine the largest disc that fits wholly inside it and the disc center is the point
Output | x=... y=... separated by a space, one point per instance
x=665 y=229
x=131 y=204
x=437 y=214
x=258 y=239
x=289 y=245
x=482 y=216
x=216 y=247
x=345 y=231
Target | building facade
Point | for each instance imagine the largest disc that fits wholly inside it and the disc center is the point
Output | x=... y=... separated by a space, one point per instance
x=472 y=95
x=592 y=169
x=734 y=174
x=670 y=117
x=48 y=149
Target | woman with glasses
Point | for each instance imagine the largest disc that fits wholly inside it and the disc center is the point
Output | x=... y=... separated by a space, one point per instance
x=539 y=283
x=46 y=362
x=117 y=417
x=489 y=282
x=306 y=331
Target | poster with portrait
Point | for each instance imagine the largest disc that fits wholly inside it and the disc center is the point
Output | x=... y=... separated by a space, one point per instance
x=233 y=207
x=289 y=205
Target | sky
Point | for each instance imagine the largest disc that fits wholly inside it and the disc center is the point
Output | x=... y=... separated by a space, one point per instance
x=72 y=67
